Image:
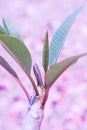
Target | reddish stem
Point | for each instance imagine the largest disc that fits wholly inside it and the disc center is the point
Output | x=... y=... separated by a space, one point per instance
x=33 y=84
x=45 y=96
x=23 y=88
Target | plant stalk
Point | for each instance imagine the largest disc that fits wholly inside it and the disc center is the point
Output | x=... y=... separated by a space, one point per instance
x=34 y=117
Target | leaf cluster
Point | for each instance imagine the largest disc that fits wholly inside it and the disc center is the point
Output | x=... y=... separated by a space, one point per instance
x=11 y=40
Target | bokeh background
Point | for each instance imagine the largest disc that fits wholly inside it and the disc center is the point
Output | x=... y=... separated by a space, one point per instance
x=66 y=108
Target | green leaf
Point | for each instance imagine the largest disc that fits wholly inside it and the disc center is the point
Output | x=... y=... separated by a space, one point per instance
x=60 y=35
x=2 y=31
x=46 y=53
x=57 y=69
x=10 y=29
x=18 y=51
x=4 y=64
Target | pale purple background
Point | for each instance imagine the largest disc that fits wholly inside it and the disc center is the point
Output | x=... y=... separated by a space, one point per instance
x=66 y=108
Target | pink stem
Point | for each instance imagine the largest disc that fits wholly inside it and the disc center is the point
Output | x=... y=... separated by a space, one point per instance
x=23 y=88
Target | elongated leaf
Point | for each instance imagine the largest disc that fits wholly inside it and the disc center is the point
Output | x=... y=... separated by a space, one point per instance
x=4 y=64
x=17 y=50
x=60 y=36
x=46 y=53
x=57 y=69
x=2 y=31
x=38 y=75
x=10 y=29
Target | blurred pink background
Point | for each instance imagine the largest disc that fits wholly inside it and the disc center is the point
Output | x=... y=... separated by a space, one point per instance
x=66 y=108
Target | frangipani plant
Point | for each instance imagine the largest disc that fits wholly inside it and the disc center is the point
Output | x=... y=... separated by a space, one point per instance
x=11 y=40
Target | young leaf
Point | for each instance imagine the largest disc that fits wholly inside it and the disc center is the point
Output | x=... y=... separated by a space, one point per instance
x=2 y=31
x=38 y=75
x=57 y=69
x=32 y=100
x=60 y=36
x=17 y=50
x=46 y=53
x=10 y=29
x=4 y=64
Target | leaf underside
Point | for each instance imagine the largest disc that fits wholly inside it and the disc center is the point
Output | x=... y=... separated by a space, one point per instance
x=57 y=69
x=17 y=50
x=46 y=53
x=4 y=64
x=10 y=29
x=60 y=35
